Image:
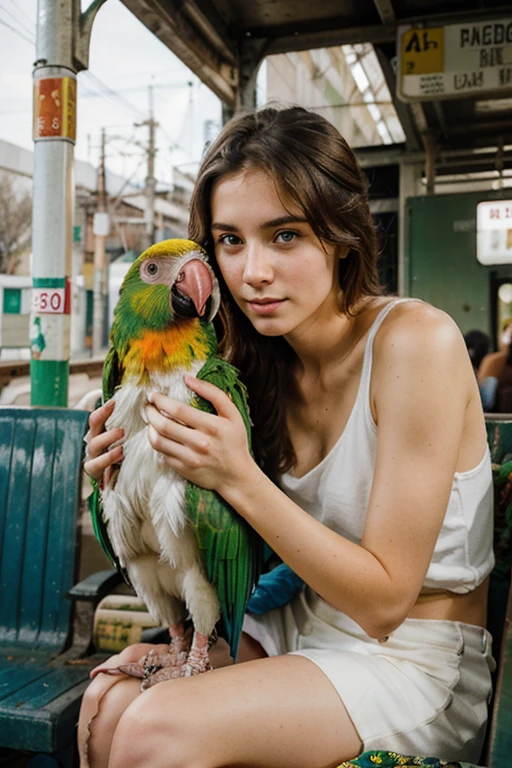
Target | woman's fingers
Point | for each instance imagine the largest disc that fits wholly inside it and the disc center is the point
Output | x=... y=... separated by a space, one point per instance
x=96 y=467
x=172 y=449
x=98 y=418
x=173 y=429
x=217 y=397
x=178 y=412
x=103 y=441
x=101 y=452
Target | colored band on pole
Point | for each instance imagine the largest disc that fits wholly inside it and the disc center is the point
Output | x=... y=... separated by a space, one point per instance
x=49 y=381
x=55 y=108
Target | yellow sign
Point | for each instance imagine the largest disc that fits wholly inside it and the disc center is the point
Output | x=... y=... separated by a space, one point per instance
x=422 y=51
x=55 y=108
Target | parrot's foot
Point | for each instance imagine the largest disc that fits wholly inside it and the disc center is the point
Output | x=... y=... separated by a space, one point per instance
x=159 y=667
x=197 y=663
x=198 y=660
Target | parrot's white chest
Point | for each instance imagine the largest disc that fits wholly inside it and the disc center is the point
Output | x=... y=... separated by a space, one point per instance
x=147 y=502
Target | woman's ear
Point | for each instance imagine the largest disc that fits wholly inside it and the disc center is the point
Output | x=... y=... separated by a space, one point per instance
x=343 y=251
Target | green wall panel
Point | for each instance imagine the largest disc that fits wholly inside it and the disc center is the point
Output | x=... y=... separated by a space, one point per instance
x=12 y=301
x=443 y=270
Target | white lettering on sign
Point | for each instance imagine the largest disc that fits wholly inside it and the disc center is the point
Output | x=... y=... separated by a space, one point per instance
x=49 y=300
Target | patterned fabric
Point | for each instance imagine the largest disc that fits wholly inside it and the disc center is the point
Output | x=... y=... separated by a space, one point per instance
x=381 y=759
x=502 y=476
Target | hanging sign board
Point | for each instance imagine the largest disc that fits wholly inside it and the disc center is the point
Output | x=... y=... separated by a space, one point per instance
x=494 y=232
x=455 y=61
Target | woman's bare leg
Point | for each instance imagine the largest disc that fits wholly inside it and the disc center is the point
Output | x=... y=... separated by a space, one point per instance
x=104 y=701
x=106 y=698
x=279 y=712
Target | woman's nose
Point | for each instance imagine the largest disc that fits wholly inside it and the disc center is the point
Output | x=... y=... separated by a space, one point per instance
x=258 y=268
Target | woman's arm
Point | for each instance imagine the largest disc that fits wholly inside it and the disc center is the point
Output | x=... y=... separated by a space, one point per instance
x=421 y=398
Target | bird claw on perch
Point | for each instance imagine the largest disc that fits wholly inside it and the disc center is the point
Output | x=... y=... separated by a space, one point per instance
x=187 y=662
x=152 y=663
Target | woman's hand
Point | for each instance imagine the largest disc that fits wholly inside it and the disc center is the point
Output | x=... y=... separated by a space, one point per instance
x=210 y=450
x=99 y=456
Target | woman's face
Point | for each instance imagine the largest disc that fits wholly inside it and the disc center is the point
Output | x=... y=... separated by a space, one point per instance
x=272 y=262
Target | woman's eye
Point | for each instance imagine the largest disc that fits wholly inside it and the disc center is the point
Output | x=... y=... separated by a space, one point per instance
x=229 y=240
x=286 y=236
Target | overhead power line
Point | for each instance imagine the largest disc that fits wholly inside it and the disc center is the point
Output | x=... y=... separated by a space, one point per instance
x=18 y=21
x=16 y=31
x=20 y=10
x=114 y=94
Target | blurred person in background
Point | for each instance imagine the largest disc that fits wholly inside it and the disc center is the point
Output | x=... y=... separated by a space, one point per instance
x=492 y=367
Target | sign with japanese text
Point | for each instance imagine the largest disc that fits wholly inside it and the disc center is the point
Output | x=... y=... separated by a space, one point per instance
x=457 y=60
x=494 y=232
x=55 y=108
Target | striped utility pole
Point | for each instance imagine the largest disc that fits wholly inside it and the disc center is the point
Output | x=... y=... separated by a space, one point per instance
x=62 y=50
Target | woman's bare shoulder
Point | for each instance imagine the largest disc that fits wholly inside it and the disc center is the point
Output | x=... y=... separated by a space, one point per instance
x=414 y=330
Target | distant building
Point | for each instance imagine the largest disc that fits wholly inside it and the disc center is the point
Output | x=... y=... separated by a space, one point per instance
x=126 y=204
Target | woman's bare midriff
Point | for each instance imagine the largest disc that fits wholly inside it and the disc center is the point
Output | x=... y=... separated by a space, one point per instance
x=470 y=608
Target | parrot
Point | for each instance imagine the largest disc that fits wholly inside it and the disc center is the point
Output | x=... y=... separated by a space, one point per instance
x=184 y=550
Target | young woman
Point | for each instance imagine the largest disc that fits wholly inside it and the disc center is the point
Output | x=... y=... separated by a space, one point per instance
x=372 y=482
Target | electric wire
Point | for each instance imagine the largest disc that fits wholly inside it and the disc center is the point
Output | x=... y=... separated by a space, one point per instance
x=17 y=32
x=18 y=21
x=20 y=10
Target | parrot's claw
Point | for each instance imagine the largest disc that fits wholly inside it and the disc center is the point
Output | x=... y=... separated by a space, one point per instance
x=132 y=670
x=197 y=663
x=159 y=667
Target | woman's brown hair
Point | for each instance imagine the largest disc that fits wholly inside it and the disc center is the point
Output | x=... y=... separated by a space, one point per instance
x=314 y=167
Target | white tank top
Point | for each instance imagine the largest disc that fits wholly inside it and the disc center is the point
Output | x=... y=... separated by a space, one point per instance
x=336 y=492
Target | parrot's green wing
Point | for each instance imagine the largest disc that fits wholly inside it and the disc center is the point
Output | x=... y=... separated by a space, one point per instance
x=231 y=550
x=112 y=374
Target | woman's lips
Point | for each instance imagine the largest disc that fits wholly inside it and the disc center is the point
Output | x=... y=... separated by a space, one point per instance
x=266 y=306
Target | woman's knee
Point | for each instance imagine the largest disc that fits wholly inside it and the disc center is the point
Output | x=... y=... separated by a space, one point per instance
x=162 y=731
x=103 y=704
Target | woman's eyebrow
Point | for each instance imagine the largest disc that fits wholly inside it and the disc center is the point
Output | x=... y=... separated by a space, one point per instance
x=220 y=226
x=266 y=225
x=284 y=220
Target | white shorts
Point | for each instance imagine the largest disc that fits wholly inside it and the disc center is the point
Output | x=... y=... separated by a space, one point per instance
x=424 y=691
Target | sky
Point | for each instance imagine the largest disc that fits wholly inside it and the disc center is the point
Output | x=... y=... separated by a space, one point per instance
x=125 y=59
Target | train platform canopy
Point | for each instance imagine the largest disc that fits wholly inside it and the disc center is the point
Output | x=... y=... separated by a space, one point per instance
x=223 y=41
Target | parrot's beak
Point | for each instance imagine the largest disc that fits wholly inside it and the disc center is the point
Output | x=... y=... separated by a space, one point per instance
x=195 y=281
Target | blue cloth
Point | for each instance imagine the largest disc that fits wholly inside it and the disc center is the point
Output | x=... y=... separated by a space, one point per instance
x=275 y=589
x=488 y=391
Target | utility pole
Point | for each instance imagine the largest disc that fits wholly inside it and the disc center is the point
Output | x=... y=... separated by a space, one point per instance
x=62 y=50
x=149 y=213
x=101 y=229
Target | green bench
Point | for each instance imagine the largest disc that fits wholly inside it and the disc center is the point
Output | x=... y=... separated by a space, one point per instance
x=44 y=635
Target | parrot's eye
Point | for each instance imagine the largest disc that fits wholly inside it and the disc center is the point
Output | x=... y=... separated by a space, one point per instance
x=152 y=268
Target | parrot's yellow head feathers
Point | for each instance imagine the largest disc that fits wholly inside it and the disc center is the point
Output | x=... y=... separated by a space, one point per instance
x=169 y=282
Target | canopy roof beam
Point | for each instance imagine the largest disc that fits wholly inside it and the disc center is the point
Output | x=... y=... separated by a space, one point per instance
x=203 y=46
